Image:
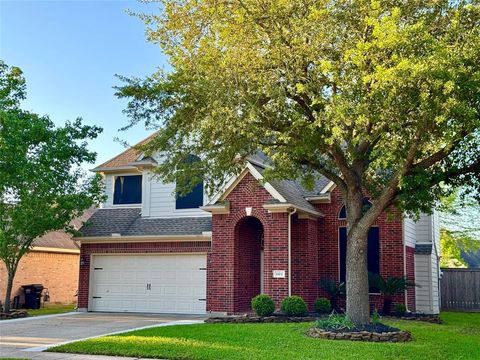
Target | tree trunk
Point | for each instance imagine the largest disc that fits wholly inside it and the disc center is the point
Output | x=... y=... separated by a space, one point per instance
x=358 y=307
x=8 y=293
x=387 y=305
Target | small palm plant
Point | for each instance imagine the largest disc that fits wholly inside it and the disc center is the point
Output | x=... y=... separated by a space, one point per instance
x=388 y=288
x=333 y=289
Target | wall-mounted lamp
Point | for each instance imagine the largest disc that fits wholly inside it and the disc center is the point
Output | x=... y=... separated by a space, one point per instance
x=82 y=261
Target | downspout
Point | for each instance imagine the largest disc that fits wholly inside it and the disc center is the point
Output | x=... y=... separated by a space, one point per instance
x=290 y=251
x=404 y=260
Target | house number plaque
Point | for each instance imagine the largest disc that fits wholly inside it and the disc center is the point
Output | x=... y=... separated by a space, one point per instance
x=279 y=274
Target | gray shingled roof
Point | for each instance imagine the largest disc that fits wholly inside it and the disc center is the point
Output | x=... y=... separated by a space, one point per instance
x=294 y=192
x=423 y=249
x=128 y=222
x=60 y=239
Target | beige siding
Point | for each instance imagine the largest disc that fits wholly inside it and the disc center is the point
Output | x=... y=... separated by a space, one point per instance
x=423 y=279
x=409 y=232
x=161 y=202
x=108 y=190
x=423 y=229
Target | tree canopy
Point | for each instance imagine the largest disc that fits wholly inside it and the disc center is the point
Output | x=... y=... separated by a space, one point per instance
x=378 y=96
x=42 y=184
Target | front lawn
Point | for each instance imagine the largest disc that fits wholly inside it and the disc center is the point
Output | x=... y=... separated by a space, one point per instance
x=457 y=338
x=51 y=309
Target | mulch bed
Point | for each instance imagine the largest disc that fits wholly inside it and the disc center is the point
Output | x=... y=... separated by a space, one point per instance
x=14 y=314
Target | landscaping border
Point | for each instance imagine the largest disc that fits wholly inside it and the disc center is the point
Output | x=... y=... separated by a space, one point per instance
x=259 y=319
x=395 y=336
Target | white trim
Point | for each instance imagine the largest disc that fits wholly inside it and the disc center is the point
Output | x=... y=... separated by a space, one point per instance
x=123 y=206
x=405 y=261
x=235 y=179
x=290 y=251
x=217 y=208
x=256 y=174
x=228 y=187
x=144 y=238
x=320 y=199
x=330 y=186
x=285 y=207
x=114 y=169
x=55 y=250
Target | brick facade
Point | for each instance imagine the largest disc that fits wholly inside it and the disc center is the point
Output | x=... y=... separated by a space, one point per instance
x=224 y=265
x=238 y=238
x=391 y=245
x=58 y=272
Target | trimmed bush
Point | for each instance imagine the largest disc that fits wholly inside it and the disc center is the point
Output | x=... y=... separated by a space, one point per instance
x=294 y=306
x=263 y=305
x=323 y=305
x=400 y=309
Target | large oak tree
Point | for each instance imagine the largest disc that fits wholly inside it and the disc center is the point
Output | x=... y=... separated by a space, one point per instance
x=42 y=184
x=381 y=97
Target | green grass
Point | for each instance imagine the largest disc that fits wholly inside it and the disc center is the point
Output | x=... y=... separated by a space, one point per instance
x=457 y=338
x=51 y=309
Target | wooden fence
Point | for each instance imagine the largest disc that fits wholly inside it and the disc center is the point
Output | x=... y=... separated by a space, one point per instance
x=460 y=289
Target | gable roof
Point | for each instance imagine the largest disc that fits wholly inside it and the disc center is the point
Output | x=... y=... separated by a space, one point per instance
x=282 y=191
x=127 y=158
x=129 y=222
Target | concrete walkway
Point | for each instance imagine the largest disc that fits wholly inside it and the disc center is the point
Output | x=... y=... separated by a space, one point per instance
x=26 y=338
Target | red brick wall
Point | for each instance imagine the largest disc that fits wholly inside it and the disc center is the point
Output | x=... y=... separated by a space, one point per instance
x=305 y=259
x=391 y=245
x=222 y=267
x=233 y=275
x=129 y=248
x=410 y=265
x=56 y=271
x=248 y=235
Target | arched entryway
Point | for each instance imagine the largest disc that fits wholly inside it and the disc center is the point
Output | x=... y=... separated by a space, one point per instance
x=248 y=269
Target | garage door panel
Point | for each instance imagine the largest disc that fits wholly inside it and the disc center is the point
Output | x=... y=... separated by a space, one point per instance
x=177 y=283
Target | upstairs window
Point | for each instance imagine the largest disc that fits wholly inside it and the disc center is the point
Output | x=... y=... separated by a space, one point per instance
x=192 y=200
x=127 y=190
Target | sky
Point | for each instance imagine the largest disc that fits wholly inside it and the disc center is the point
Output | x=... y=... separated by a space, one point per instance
x=70 y=51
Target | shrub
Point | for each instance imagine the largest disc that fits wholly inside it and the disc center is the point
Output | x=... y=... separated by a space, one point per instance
x=375 y=317
x=294 y=306
x=263 y=305
x=323 y=305
x=400 y=309
x=335 y=322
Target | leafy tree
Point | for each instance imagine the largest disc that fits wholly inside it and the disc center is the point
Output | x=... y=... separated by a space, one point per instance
x=381 y=97
x=42 y=187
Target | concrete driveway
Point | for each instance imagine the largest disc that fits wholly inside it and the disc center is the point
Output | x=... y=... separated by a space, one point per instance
x=23 y=337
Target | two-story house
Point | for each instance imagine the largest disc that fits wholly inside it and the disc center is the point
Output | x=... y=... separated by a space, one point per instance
x=147 y=250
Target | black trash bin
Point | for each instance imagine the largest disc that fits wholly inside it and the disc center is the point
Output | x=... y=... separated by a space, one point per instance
x=33 y=295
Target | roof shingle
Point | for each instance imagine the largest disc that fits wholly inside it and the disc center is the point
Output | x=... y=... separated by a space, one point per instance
x=128 y=222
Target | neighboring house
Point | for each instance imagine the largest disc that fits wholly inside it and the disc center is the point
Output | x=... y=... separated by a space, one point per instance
x=53 y=262
x=147 y=251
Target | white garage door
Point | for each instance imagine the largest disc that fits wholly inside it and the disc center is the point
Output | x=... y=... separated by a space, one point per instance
x=149 y=283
